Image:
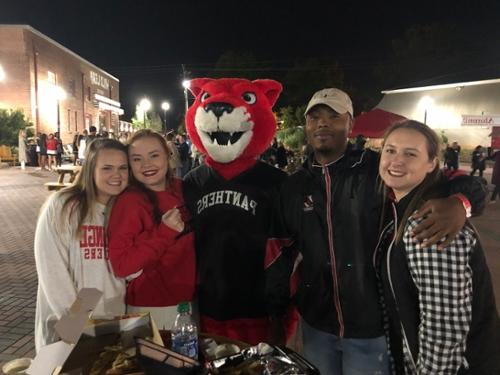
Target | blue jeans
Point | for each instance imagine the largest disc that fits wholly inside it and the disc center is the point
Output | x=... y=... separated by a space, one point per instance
x=333 y=355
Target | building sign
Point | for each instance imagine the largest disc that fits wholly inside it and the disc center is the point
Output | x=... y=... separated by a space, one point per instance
x=484 y=120
x=99 y=80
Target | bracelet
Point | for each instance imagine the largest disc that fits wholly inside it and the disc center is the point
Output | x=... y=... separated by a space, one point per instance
x=465 y=203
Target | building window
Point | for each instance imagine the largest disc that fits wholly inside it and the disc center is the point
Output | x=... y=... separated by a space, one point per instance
x=88 y=94
x=76 y=121
x=69 y=119
x=51 y=77
x=72 y=87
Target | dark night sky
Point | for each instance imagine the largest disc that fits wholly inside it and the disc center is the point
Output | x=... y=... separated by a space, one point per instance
x=144 y=42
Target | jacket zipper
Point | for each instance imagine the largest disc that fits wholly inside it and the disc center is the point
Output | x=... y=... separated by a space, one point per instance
x=336 y=296
x=388 y=264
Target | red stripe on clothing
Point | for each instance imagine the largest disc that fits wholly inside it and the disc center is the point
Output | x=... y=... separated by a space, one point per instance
x=249 y=331
x=273 y=249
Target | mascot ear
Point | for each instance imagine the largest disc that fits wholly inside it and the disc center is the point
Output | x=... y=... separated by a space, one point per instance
x=195 y=85
x=270 y=88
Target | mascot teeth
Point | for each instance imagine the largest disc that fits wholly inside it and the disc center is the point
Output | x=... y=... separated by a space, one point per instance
x=225 y=136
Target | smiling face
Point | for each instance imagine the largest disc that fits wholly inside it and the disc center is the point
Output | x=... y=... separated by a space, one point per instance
x=111 y=174
x=149 y=163
x=405 y=162
x=327 y=132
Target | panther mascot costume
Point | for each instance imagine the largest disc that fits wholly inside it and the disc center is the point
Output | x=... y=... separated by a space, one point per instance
x=233 y=199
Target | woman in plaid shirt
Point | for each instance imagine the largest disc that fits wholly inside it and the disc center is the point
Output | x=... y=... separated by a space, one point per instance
x=440 y=302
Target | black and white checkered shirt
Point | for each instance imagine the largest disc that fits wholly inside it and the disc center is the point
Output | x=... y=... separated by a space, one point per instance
x=444 y=282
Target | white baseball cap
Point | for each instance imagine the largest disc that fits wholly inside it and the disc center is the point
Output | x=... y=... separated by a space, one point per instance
x=336 y=99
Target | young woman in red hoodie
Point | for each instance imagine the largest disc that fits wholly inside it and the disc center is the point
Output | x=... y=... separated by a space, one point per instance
x=148 y=243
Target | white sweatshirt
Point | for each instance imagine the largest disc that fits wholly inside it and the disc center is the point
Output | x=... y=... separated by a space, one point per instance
x=66 y=263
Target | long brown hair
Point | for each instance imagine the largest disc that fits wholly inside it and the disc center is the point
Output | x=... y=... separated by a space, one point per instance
x=424 y=189
x=81 y=196
x=150 y=194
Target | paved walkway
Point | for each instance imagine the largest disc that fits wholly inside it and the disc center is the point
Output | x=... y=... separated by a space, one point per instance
x=21 y=195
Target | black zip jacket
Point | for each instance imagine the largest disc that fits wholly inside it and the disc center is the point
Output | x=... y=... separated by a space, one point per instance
x=332 y=212
x=399 y=263
x=333 y=215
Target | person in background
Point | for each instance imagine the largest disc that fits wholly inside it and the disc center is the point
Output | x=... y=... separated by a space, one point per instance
x=42 y=155
x=440 y=303
x=147 y=241
x=281 y=156
x=59 y=149
x=183 y=148
x=51 y=151
x=70 y=241
x=359 y=143
x=478 y=161
x=331 y=210
x=174 y=159
x=82 y=144
x=452 y=156
x=74 y=145
x=495 y=177
x=22 y=148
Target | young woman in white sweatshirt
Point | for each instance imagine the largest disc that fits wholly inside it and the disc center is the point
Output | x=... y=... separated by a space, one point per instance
x=70 y=240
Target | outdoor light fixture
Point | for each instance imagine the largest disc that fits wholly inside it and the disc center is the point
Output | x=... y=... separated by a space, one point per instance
x=186 y=84
x=426 y=103
x=59 y=94
x=165 y=106
x=145 y=106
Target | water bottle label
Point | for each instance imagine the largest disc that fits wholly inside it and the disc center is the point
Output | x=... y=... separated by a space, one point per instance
x=189 y=348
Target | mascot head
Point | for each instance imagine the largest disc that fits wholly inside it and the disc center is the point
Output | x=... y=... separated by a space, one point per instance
x=231 y=121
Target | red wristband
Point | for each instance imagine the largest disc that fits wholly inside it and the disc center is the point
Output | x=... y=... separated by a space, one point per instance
x=465 y=203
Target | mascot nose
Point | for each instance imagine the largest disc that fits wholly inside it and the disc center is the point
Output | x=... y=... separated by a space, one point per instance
x=219 y=108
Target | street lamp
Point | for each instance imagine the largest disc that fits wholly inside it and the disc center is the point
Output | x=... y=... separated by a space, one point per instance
x=165 y=106
x=186 y=84
x=145 y=106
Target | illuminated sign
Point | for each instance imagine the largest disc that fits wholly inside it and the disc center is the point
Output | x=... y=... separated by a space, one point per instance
x=484 y=120
x=99 y=80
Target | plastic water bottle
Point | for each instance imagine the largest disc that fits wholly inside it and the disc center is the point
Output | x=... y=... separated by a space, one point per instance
x=185 y=332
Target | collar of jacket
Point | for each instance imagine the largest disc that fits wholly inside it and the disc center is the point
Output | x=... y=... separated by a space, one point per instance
x=350 y=159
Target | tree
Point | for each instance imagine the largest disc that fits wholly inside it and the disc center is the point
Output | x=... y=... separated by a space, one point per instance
x=291 y=117
x=152 y=120
x=10 y=124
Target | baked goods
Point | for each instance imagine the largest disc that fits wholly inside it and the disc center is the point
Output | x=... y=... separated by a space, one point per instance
x=114 y=360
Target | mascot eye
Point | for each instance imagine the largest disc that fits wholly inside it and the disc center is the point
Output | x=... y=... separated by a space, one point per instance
x=249 y=97
x=205 y=96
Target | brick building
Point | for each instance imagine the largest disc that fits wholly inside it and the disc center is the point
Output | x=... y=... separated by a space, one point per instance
x=56 y=88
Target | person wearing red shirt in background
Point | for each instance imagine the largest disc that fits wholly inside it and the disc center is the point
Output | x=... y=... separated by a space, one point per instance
x=147 y=240
x=51 y=150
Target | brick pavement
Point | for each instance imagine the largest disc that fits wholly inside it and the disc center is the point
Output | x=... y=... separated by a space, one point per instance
x=21 y=195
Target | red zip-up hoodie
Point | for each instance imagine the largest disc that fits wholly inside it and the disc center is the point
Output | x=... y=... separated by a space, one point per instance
x=137 y=243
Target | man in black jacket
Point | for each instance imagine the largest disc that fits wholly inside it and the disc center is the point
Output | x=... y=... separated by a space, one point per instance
x=331 y=209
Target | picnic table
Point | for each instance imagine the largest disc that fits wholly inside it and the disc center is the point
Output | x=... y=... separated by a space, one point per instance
x=63 y=171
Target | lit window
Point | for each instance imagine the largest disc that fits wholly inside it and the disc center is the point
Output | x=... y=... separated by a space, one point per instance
x=51 y=77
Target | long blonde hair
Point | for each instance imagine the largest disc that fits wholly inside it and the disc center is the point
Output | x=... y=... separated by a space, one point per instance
x=80 y=197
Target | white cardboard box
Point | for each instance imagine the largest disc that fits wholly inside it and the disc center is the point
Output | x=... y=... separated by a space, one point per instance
x=82 y=340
